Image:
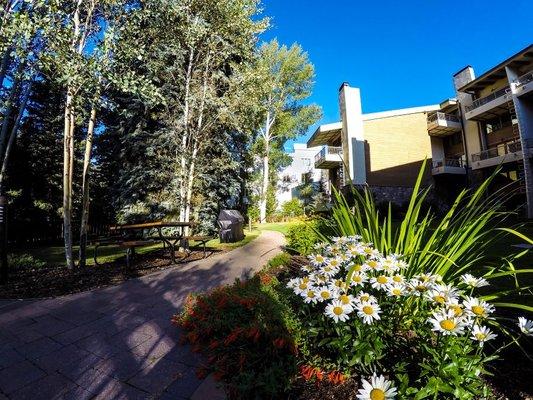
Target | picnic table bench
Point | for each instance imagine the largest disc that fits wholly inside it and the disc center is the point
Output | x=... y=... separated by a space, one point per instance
x=131 y=236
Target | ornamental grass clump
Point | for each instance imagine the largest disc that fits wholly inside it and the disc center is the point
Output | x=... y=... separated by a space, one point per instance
x=416 y=336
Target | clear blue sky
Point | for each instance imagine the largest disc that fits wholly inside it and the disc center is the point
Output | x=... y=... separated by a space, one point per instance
x=400 y=53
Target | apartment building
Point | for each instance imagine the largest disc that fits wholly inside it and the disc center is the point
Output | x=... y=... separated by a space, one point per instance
x=301 y=170
x=383 y=150
x=488 y=125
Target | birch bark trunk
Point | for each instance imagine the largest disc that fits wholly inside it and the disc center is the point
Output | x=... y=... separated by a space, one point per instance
x=68 y=147
x=266 y=171
x=85 y=188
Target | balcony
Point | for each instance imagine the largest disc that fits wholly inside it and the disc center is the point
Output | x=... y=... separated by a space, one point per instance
x=329 y=157
x=489 y=106
x=442 y=124
x=452 y=166
x=503 y=153
x=524 y=84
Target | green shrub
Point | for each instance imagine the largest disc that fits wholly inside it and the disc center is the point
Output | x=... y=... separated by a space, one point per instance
x=248 y=334
x=292 y=208
x=19 y=261
x=302 y=236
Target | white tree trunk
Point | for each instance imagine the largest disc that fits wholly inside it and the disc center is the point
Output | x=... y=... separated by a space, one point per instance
x=85 y=188
x=68 y=162
x=266 y=171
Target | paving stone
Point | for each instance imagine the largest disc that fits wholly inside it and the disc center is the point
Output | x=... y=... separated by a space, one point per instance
x=155 y=347
x=106 y=387
x=65 y=356
x=76 y=317
x=185 y=384
x=123 y=365
x=73 y=335
x=47 y=388
x=39 y=348
x=9 y=356
x=76 y=369
x=19 y=375
x=76 y=393
x=156 y=377
x=183 y=354
x=48 y=325
x=209 y=389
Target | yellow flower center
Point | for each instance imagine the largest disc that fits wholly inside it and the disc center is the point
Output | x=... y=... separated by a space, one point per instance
x=337 y=310
x=397 y=278
x=310 y=294
x=368 y=310
x=372 y=264
x=480 y=336
x=396 y=292
x=357 y=278
x=320 y=258
x=368 y=250
x=357 y=267
x=478 y=310
x=305 y=280
x=421 y=288
x=439 y=299
x=377 y=394
x=457 y=310
x=447 y=324
x=365 y=297
x=302 y=286
x=333 y=263
x=324 y=294
x=344 y=299
x=382 y=279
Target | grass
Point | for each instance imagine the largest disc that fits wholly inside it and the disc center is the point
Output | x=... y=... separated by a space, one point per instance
x=55 y=255
x=281 y=227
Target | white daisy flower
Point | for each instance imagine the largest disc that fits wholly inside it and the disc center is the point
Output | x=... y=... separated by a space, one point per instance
x=307 y=268
x=370 y=252
x=364 y=297
x=324 y=293
x=457 y=308
x=372 y=265
x=317 y=259
x=482 y=334
x=473 y=282
x=310 y=295
x=378 y=388
x=358 y=279
x=347 y=300
x=338 y=311
x=398 y=278
x=478 y=308
x=319 y=279
x=380 y=282
x=368 y=312
x=419 y=287
x=526 y=326
x=301 y=285
x=338 y=285
x=441 y=294
x=446 y=323
x=396 y=289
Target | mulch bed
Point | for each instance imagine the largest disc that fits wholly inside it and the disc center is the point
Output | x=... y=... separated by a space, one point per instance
x=52 y=281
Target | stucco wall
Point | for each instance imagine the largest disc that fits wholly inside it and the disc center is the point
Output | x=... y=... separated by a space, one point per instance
x=395 y=149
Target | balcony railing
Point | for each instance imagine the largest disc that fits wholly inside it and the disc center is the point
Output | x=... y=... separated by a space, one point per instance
x=327 y=150
x=503 y=149
x=440 y=115
x=524 y=79
x=449 y=162
x=487 y=99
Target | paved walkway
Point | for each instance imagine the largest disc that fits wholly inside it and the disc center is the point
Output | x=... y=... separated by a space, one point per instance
x=116 y=342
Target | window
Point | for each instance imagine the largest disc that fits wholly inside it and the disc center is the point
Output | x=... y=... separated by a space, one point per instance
x=307 y=162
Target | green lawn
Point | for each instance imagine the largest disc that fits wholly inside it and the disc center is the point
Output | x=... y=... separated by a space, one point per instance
x=55 y=255
x=281 y=227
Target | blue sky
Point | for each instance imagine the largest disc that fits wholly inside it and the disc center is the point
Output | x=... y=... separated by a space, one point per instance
x=400 y=53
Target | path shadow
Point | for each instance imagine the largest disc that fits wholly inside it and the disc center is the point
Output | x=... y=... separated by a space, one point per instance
x=111 y=343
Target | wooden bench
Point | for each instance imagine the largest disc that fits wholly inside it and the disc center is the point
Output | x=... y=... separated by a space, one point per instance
x=200 y=239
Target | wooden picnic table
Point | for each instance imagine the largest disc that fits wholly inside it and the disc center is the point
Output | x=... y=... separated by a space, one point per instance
x=127 y=231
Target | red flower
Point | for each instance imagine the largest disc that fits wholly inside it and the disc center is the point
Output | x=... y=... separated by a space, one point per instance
x=213 y=345
x=279 y=343
x=336 y=377
x=319 y=374
x=307 y=372
x=233 y=336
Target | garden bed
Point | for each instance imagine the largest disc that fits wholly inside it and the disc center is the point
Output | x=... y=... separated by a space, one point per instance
x=37 y=281
x=256 y=344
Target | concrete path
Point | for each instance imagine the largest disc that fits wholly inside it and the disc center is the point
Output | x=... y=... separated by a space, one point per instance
x=116 y=342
